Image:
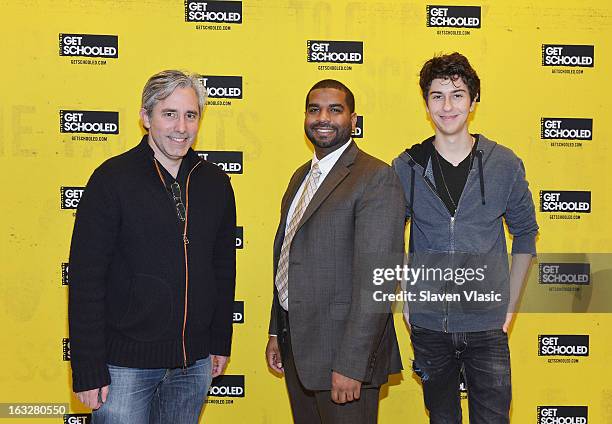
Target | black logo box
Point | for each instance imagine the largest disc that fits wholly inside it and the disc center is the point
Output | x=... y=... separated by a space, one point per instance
x=358 y=133
x=566 y=268
x=456 y=12
x=224 y=159
x=91 y=40
x=91 y=116
x=239 y=237
x=337 y=47
x=64 y=274
x=229 y=381
x=238 y=312
x=562 y=411
x=565 y=340
x=570 y=50
x=66 y=349
x=70 y=197
x=566 y=196
x=77 y=418
x=216 y=6
x=222 y=81
x=567 y=124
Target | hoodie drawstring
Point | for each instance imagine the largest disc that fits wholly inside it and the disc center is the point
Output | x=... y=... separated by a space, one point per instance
x=412 y=175
x=481 y=176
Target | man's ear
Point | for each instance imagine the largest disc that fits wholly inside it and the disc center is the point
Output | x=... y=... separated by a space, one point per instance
x=145 y=118
x=354 y=120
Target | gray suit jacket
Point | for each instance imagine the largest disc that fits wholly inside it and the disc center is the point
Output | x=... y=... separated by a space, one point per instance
x=354 y=221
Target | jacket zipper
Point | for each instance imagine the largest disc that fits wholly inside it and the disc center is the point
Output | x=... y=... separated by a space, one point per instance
x=451 y=230
x=185 y=243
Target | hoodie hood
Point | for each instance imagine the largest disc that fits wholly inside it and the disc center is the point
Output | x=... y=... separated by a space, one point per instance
x=419 y=154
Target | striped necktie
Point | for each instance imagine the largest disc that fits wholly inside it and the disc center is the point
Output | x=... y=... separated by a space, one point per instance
x=282 y=271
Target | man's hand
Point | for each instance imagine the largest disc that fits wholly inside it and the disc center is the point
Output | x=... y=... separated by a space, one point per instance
x=273 y=356
x=218 y=364
x=90 y=398
x=509 y=318
x=344 y=389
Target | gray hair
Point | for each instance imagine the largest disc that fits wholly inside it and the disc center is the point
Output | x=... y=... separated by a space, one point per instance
x=163 y=84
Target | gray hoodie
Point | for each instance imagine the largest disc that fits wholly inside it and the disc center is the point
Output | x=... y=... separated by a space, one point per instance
x=495 y=188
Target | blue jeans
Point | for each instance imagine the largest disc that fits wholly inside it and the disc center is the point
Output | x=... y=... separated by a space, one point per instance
x=155 y=396
x=482 y=356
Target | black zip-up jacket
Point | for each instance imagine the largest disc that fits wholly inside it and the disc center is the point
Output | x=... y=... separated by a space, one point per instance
x=142 y=293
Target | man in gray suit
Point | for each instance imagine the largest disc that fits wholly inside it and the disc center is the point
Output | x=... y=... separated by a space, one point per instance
x=341 y=211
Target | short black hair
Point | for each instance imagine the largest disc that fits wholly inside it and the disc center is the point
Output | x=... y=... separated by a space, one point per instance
x=331 y=83
x=451 y=66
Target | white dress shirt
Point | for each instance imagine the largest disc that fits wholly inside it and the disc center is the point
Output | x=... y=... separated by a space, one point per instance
x=325 y=165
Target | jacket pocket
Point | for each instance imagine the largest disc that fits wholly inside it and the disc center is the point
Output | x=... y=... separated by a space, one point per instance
x=150 y=309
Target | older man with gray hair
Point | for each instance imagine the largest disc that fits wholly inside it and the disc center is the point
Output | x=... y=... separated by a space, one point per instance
x=152 y=269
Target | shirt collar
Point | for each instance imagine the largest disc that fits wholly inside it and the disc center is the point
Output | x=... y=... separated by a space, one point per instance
x=328 y=162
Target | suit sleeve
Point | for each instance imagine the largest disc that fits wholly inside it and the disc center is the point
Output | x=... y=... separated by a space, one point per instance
x=378 y=243
x=405 y=177
x=224 y=263
x=93 y=243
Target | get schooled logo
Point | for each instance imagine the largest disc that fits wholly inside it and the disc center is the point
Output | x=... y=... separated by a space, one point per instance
x=239 y=237
x=64 y=273
x=96 y=48
x=227 y=386
x=564 y=56
x=577 y=129
x=568 y=55
x=358 y=132
x=563 y=345
x=555 y=201
x=238 y=317
x=89 y=122
x=228 y=161
x=89 y=45
x=77 y=418
x=70 y=197
x=563 y=414
x=213 y=12
x=327 y=51
x=65 y=349
x=226 y=87
x=453 y=16
x=565 y=273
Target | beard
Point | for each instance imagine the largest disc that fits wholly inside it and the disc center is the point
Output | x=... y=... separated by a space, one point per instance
x=339 y=136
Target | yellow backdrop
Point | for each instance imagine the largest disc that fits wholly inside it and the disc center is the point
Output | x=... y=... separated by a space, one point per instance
x=266 y=43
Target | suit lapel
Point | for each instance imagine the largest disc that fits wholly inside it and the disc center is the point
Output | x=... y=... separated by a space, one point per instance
x=338 y=173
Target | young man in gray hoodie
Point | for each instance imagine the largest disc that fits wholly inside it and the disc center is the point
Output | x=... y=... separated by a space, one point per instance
x=459 y=188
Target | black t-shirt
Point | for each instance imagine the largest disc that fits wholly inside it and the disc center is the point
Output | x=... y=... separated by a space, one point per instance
x=451 y=184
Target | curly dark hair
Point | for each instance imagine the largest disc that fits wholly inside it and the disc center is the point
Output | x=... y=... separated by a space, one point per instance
x=452 y=66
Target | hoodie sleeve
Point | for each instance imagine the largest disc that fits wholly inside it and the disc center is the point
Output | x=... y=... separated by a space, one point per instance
x=520 y=214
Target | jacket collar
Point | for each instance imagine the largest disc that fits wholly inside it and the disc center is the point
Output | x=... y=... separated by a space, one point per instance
x=145 y=151
x=338 y=172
